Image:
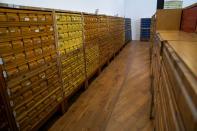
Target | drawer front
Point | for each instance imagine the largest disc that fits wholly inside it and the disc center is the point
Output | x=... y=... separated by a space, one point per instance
x=183 y=100
x=173 y=114
x=28 y=52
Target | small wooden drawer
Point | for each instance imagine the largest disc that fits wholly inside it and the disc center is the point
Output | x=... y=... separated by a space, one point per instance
x=33 y=17
x=43 y=84
x=12 y=72
x=33 y=65
x=49 y=28
x=52 y=47
x=41 y=18
x=23 y=68
x=54 y=56
x=14 y=31
x=46 y=49
x=27 y=94
x=29 y=54
x=28 y=43
x=5 y=47
x=42 y=29
x=65 y=35
x=24 y=17
x=8 y=59
x=25 y=30
x=49 y=18
x=40 y=62
x=12 y=17
x=61 y=36
x=36 y=41
x=15 y=89
x=20 y=57
x=17 y=44
x=38 y=51
x=4 y=32
x=35 y=29
x=36 y=89
x=20 y=110
x=51 y=38
x=3 y=17
x=44 y=39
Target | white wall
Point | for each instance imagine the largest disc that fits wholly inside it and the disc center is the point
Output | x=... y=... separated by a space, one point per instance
x=109 y=7
x=136 y=9
x=188 y=2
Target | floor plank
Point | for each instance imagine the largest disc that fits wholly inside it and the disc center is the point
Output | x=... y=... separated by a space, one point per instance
x=119 y=98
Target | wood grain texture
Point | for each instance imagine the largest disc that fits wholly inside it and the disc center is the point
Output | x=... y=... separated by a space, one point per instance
x=171 y=18
x=187 y=51
x=177 y=35
x=118 y=100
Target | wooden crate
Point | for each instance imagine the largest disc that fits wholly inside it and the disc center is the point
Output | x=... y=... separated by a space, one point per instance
x=28 y=54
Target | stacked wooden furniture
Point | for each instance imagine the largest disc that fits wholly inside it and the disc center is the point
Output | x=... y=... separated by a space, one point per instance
x=105 y=46
x=46 y=55
x=116 y=29
x=173 y=70
x=29 y=62
x=71 y=51
x=91 y=43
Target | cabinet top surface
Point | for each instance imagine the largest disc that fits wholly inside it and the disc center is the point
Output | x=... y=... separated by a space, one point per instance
x=177 y=35
x=187 y=52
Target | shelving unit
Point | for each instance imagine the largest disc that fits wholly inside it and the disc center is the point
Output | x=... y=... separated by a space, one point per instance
x=105 y=48
x=128 y=34
x=47 y=55
x=70 y=50
x=145 y=29
x=91 y=43
x=117 y=31
x=173 y=72
x=29 y=64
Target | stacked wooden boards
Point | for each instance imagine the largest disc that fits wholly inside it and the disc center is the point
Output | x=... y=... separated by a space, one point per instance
x=47 y=54
x=174 y=80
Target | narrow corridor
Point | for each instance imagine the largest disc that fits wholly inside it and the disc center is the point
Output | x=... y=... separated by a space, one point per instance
x=118 y=99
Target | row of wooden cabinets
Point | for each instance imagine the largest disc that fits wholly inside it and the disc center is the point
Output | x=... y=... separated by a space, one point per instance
x=174 y=85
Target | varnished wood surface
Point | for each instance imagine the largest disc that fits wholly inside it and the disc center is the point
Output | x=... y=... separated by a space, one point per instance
x=187 y=52
x=177 y=35
x=168 y=19
x=118 y=100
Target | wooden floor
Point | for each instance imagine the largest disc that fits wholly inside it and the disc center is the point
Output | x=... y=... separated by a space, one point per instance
x=118 y=99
